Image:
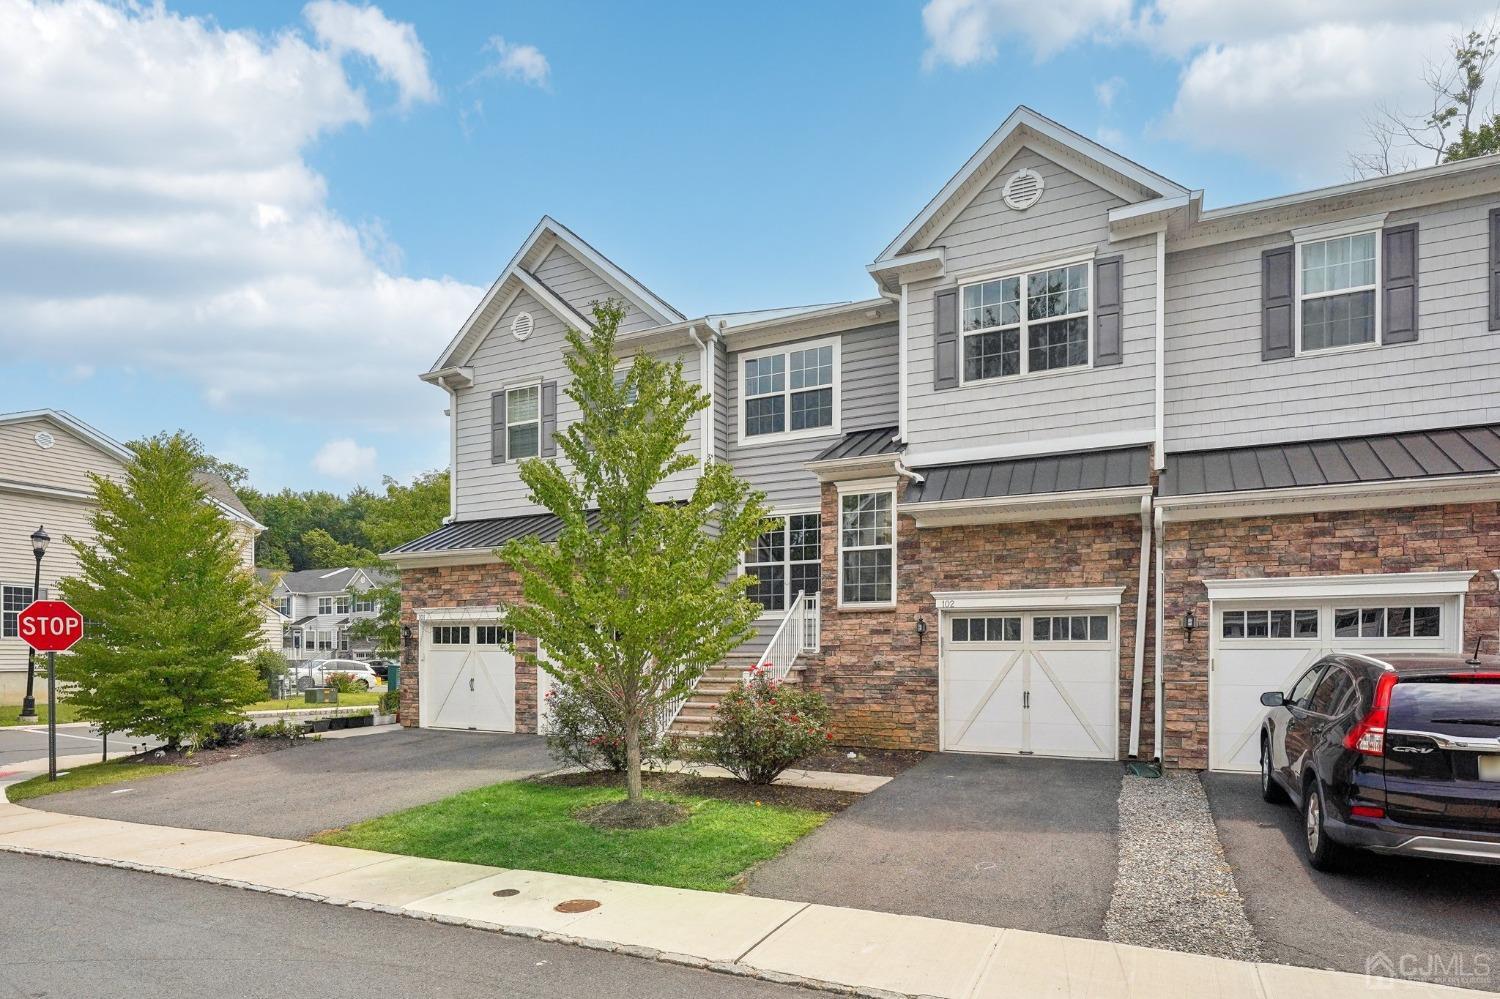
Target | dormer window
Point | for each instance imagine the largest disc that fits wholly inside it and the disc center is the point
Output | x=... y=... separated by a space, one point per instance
x=1026 y=323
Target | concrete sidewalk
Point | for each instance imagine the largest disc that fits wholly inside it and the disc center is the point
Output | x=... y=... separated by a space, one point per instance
x=873 y=953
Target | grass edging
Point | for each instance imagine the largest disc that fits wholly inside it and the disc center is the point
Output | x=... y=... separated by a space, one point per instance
x=88 y=775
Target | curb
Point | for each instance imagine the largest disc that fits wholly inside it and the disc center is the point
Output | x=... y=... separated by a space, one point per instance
x=729 y=968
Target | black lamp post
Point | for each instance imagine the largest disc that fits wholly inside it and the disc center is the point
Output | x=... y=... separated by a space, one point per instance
x=39 y=539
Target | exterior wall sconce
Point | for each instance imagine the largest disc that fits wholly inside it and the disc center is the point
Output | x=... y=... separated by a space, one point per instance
x=1189 y=622
x=921 y=628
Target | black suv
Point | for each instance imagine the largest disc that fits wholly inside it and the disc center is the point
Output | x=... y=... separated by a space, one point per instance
x=1397 y=754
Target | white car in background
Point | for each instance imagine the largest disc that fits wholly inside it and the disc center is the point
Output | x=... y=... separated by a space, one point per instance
x=315 y=673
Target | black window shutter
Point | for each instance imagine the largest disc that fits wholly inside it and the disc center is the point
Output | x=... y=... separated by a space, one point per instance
x=497 y=427
x=1109 y=294
x=549 y=419
x=945 y=339
x=1277 y=291
x=1398 y=319
x=1495 y=268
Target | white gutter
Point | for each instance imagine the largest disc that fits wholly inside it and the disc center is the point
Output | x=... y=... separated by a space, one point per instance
x=1468 y=488
x=906 y=472
x=1159 y=455
x=1157 y=706
x=1140 y=628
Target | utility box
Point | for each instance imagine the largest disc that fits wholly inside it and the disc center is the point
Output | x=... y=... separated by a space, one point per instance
x=393 y=677
x=321 y=695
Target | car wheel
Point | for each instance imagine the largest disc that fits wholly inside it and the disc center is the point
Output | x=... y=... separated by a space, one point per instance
x=364 y=684
x=1322 y=852
x=1269 y=789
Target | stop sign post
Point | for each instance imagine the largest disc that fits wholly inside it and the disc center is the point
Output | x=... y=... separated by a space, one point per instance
x=50 y=626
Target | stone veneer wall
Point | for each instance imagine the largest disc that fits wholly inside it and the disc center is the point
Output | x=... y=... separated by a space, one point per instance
x=882 y=681
x=484 y=585
x=1420 y=539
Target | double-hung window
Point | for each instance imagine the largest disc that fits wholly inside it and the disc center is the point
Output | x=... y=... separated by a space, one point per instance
x=325 y=605
x=786 y=560
x=523 y=422
x=365 y=604
x=790 y=393
x=13 y=600
x=1336 y=291
x=1026 y=323
x=342 y=603
x=284 y=605
x=867 y=548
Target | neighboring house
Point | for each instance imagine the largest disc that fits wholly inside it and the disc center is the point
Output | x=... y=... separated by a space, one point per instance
x=317 y=608
x=46 y=458
x=1085 y=426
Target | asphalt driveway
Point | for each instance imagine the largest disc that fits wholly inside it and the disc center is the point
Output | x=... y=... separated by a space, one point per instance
x=1423 y=915
x=296 y=792
x=1024 y=843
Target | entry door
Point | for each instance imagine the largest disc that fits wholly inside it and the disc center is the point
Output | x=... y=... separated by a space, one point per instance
x=1036 y=682
x=468 y=678
x=1264 y=645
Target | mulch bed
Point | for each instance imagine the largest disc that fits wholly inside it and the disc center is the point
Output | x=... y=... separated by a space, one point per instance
x=208 y=757
x=870 y=762
x=810 y=798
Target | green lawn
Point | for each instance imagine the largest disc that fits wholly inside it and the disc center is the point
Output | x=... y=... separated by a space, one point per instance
x=92 y=775
x=298 y=703
x=530 y=826
x=11 y=713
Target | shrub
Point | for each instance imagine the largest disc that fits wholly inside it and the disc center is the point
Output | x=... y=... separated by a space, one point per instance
x=269 y=664
x=222 y=735
x=344 y=683
x=762 y=727
x=589 y=734
x=280 y=729
x=390 y=702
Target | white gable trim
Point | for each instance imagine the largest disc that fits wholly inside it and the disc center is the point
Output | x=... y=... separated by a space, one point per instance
x=73 y=425
x=1024 y=117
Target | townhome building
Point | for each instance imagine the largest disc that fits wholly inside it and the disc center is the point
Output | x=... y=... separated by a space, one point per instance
x=47 y=460
x=319 y=608
x=1092 y=468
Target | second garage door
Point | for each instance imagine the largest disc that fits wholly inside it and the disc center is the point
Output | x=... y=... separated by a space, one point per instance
x=468 y=678
x=1030 y=682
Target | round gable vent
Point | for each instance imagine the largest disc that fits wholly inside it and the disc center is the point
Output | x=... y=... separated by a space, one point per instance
x=520 y=327
x=44 y=440
x=1022 y=190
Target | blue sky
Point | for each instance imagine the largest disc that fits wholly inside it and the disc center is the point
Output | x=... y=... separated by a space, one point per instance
x=293 y=207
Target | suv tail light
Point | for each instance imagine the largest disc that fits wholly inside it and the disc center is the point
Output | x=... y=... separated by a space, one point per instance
x=1368 y=736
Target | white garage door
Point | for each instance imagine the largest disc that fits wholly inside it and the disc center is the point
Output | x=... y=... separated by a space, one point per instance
x=1265 y=644
x=1034 y=682
x=468 y=677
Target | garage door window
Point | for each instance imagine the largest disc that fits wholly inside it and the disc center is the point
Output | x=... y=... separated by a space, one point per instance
x=490 y=634
x=1387 y=622
x=987 y=629
x=1278 y=623
x=1074 y=628
x=450 y=634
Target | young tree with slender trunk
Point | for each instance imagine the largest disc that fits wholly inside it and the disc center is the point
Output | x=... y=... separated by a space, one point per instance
x=631 y=601
x=173 y=615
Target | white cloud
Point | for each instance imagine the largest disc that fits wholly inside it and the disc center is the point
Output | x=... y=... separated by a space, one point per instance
x=393 y=47
x=345 y=460
x=964 y=32
x=156 y=211
x=514 y=61
x=1106 y=91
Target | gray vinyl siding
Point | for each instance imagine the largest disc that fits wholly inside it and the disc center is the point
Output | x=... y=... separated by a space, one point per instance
x=868 y=399
x=987 y=239
x=1221 y=394
x=486 y=489
x=580 y=287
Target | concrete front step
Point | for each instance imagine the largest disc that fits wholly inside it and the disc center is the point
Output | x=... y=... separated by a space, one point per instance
x=697 y=714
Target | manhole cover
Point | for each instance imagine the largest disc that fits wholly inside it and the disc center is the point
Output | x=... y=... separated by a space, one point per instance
x=576 y=905
x=506 y=892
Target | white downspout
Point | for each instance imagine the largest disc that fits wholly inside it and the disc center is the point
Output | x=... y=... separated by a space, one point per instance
x=452 y=451
x=901 y=363
x=1160 y=450
x=706 y=380
x=1141 y=606
x=1160 y=708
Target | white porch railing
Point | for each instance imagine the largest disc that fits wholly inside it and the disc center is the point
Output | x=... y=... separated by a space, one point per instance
x=797 y=634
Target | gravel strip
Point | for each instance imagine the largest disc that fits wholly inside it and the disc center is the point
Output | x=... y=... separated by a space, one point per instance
x=1174 y=889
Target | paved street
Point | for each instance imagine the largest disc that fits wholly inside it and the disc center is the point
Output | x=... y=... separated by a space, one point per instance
x=20 y=743
x=296 y=792
x=74 y=930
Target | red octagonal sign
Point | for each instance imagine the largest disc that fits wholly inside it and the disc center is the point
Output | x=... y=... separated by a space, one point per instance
x=50 y=625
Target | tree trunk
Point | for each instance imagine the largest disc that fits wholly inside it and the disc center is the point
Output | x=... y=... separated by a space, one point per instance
x=633 y=756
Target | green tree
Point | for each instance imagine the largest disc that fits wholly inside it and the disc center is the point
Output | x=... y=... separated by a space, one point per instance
x=174 y=616
x=631 y=602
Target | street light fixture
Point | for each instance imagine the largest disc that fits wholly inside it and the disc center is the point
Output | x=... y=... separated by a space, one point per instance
x=39 y=539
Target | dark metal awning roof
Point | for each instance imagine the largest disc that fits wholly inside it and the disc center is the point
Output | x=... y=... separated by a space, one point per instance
x=469 y=535
x=862 y=444
x=1077 y=471
x=304 y=620
x=1368 y=458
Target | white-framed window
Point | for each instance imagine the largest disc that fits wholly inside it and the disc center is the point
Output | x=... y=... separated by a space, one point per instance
x=342 y=603
x=325 y=605
x=493 y=634
x=284 y=605
x=867 y=548
x=1404 y=621
x=986 y=629
x=786 y=560
x=323 y=641
x=1070 y=628
x=366 y=604
x=13 y=600
x=523 y=422
x=450 y=634
x=1338 y=304
x=1026 y=323
x=1270 y=622
x=790 y=392
x=343 y=640
x=287 y=640
x=622 y=372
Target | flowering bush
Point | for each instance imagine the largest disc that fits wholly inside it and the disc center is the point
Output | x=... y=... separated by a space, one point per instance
x=764 y=726
x=585 y=731
x=344 y=683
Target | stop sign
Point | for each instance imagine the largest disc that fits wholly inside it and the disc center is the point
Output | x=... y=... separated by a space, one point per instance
x=50 y=625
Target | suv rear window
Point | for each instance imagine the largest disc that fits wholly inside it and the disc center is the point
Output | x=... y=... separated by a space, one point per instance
x=1457 y=707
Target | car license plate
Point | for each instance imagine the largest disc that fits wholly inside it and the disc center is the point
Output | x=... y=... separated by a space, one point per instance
x=1489 y=766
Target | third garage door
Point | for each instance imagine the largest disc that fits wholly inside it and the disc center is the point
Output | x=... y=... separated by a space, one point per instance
x=1030 y=682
